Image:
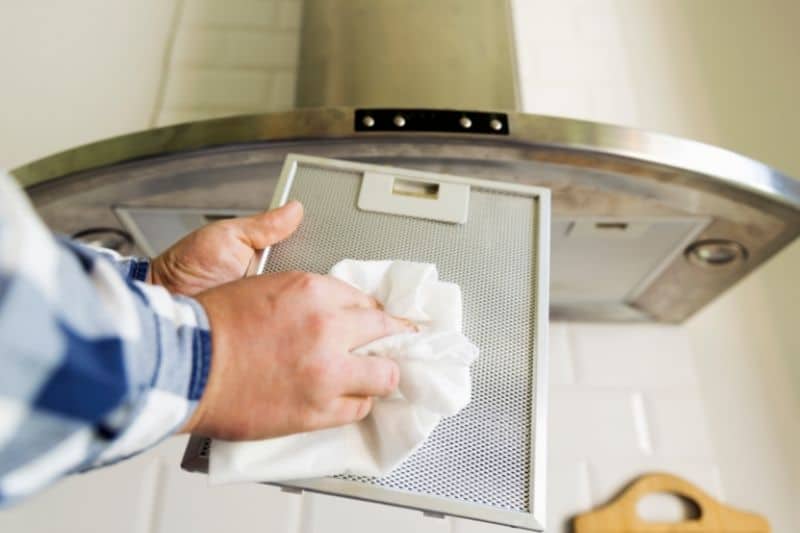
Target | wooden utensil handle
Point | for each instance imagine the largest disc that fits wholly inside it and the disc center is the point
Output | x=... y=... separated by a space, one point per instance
x=655 y=483
x=621 y=515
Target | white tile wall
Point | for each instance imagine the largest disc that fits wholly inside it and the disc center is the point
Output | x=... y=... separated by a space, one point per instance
x=472 y=526
x=121 y=497
x=569 y=489
x=679 y=426
x=290 y=14
x=230 y=58
x=624 y=401
x=572 y=59
x=186 y=502
x=328 y=514
x=698 y=394
x=607 y=477
x=592 y=423
x=642 y=356
x=561 y=366
x=76 y=72
x=235 y=13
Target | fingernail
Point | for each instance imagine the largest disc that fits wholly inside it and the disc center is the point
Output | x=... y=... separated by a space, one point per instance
x=364 y=409
x=293 y=205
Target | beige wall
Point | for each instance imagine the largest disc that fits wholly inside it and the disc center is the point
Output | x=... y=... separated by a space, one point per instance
x=747 y=56
x=74 y=72
x=725 y=72
x=79 y=71
x=741 y=60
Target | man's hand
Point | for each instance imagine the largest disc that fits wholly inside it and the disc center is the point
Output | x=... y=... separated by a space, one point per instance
x=281 y=360
x=220 y=252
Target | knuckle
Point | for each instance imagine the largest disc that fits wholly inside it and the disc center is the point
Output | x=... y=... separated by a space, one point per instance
x=311 y=284
x=319 y=324
x=227 y=228
x=315 y=323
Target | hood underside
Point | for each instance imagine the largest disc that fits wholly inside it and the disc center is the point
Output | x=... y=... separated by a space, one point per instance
x=645 y=226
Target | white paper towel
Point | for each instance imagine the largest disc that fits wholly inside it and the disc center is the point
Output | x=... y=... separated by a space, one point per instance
x=434 y=382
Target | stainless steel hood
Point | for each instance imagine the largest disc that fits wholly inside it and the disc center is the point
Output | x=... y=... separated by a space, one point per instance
x=645 y=226
x=407 y=53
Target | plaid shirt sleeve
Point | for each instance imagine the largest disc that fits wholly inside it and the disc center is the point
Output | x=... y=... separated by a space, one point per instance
x=95 y=366
x=131 y=268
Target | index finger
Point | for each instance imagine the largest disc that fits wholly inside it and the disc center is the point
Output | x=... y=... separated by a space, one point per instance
x=362 y=326
x=345 y=295
x=368 y=376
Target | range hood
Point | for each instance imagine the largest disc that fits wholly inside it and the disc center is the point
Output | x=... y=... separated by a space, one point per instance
x=645 y=226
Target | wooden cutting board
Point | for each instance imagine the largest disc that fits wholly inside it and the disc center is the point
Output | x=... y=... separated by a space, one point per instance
x=620 y=516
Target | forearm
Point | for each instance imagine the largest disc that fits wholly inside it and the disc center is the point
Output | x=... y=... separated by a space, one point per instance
x=95 y=367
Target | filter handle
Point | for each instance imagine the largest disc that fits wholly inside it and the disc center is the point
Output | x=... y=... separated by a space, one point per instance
x=414 y=197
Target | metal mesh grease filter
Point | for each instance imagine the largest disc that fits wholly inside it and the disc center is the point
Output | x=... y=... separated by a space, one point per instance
x=483 y=454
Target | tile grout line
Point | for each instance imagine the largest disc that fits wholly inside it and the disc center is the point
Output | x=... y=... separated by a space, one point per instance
x=156 y=507
x=585 y=474
x=639 y=413
x=304 y=508
x=717 y=473
x=571 y=359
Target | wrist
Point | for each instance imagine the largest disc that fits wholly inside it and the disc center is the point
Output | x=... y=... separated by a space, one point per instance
x=158 y=274
x=197 y=422
x=152 y=273
x=191 y=371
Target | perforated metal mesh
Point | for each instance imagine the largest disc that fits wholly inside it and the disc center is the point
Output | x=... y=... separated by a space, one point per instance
x=483 y=454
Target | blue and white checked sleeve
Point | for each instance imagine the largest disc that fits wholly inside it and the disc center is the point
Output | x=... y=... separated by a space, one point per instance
x=95 y=366
x=131 y=268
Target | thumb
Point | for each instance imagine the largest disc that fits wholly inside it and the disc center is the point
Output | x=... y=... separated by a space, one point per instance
x=265 y=229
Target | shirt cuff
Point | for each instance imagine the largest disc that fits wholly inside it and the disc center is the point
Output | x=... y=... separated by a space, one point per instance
x=201 y=353
x=139 y=268
x=178 y=379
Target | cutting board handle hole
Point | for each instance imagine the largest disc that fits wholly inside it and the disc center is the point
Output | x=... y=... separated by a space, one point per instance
x=666 y=507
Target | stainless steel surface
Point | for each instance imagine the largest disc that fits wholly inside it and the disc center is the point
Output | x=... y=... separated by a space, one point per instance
x=716 y=253
x=594 y=170
x=112 y=238
x=488 y=461
x=155 y=229
x=412 y=53
x=598 y=261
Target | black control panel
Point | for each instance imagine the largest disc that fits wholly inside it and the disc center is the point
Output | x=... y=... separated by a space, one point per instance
x=434 y=120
